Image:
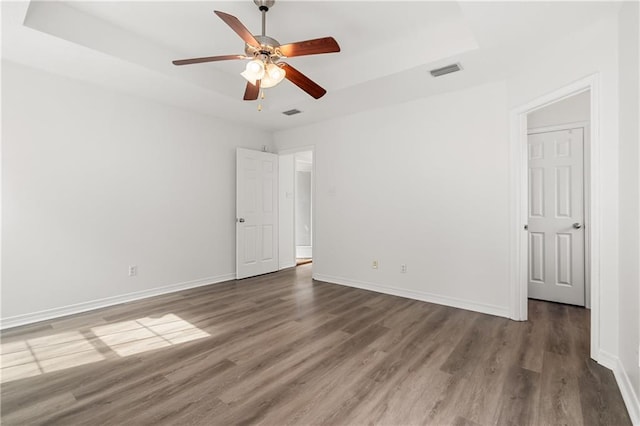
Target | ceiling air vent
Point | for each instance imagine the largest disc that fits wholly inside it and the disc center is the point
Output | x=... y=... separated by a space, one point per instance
x=292 y=112
x=445 y=70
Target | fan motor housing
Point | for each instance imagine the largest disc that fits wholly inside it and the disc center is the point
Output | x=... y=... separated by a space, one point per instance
x=268 y=46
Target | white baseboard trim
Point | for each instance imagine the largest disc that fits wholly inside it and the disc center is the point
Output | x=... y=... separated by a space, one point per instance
x=419 y=295
x=629 y=395
x=77 y=308
x=608 y=360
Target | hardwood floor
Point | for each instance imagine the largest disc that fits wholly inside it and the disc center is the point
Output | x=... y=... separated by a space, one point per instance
x=283 y=349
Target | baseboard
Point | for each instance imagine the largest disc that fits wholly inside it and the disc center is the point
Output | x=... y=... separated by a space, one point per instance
x=48 y=314
x=608 y=360
x=419 y=295
x=629 y=395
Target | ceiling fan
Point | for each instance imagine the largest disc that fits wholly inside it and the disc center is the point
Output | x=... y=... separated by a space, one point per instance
x=266 y=68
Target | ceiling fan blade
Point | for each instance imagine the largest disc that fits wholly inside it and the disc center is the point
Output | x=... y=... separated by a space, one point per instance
x=302 y=81
x=252 y=91
x=238 y=27
x=208 y=59
x=310 y=47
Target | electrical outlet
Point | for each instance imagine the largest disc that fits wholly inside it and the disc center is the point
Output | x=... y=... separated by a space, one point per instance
x=374 y=265
x=133 y=270
x=403 y=268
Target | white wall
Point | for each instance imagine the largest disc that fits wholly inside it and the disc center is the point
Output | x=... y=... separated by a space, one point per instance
x=571 y=110
x=423 y=184
x=94 y=181
x=593 y=50
x=629 y=193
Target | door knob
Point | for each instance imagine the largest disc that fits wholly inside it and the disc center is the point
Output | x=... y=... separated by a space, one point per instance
x=577 y=225
x=241 y=220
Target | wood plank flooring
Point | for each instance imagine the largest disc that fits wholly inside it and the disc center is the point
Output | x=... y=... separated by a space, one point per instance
x=283 y=349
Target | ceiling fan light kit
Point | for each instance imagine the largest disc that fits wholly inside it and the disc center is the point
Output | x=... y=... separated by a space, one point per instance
x=266 y=68
x=272 y=76
x=254 y=71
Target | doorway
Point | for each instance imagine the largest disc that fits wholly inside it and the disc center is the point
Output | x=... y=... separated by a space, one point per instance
x=557 y=147
x=522 y=119
x=303 y=218
x=296 y=206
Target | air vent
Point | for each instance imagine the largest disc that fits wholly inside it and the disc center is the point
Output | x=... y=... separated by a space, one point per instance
x=445 y=70
x=292 y=112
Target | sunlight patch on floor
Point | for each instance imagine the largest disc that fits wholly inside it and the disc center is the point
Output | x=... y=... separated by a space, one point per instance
x=31 y=357
x=141 y=335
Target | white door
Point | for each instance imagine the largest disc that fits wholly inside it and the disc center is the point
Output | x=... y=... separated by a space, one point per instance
x=256 y=213
x=556 y=216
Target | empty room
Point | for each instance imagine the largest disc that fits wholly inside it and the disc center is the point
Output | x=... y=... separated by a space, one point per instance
x=320 y=212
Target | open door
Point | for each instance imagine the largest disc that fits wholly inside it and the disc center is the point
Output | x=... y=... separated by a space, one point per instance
x=556 y=216
x=256 y=213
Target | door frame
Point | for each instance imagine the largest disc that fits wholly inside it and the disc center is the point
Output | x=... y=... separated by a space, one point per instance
x=518 y=261
x=295 y=150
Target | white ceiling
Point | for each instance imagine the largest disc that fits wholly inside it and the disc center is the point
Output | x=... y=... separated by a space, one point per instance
x=387 y=48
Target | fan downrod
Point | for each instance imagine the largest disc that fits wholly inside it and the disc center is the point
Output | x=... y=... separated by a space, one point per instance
x=264 y=6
